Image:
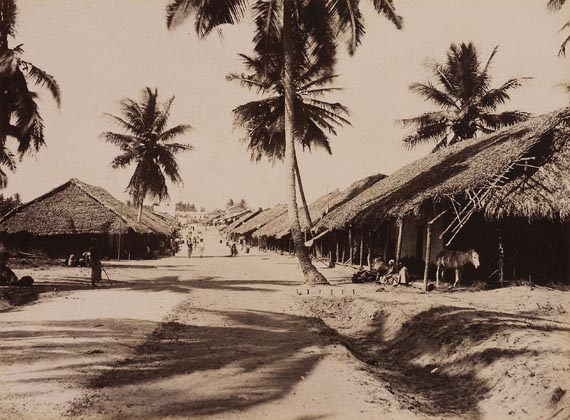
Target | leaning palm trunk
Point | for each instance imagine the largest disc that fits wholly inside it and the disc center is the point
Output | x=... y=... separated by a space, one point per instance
x=303 y=199
x=310 y=272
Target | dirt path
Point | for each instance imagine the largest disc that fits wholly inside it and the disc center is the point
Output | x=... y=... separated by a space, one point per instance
x=208 y=338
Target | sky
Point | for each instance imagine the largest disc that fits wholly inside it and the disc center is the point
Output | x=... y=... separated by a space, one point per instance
x=101 y=51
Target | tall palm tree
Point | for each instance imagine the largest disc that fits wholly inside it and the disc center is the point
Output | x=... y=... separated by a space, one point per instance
x=467 y=102
x=19 y=115
x=264 y=119
x=555 y=6
x=149 y=145
x=323 y=22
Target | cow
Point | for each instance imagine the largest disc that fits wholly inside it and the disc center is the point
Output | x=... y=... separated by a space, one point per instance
x=455 y=260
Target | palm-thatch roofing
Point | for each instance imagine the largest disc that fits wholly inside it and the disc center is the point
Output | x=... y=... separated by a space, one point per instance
x=279 y=227
x=231 y=227
x=521 y=171
x=261 y=219
x=79 y=208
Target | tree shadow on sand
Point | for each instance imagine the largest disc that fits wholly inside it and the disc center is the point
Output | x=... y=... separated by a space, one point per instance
x=453 y=388
x=271 y=350
x=176 y=285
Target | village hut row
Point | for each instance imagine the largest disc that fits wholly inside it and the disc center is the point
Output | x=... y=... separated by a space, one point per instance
x=67 y=218
x=505 y=195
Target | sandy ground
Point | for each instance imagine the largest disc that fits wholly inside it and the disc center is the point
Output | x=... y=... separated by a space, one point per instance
x=243 y=338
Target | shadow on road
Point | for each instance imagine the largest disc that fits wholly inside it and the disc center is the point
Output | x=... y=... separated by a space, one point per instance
x=269 y=349
x=442 y=333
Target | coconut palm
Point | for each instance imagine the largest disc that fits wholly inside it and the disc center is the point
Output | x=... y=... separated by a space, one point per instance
x=467 y=103
x=323 y=24
x=149 y=145
x=555 y=6
x=243 y=203
x=19 y=115
x=315 y=119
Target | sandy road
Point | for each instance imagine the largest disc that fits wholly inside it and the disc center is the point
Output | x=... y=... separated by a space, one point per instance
x=212 y=337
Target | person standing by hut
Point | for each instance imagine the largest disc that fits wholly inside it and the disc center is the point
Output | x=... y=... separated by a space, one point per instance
x=95 y=259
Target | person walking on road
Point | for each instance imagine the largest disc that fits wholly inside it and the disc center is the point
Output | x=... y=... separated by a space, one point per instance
x=95 y=259
x=201 y=247
x=190 y=247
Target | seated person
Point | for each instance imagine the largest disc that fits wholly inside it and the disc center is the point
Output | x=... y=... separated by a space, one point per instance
x=394 y=275
x=7 y=276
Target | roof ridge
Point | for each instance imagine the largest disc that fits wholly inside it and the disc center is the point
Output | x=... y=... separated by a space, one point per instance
x=81 y=185
x=38 y=198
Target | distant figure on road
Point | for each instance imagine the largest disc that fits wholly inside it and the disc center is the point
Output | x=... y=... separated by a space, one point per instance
x=201 y=247
x=190 y=248
x=95 y=257
x=234 y=250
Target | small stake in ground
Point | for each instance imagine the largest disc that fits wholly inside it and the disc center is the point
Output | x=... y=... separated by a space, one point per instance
x=307 y=291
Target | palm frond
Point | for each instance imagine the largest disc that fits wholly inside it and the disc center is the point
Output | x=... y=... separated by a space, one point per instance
x=386 y=7
x=555 y=5
x=495 y=97
x=124 y=141
x=350 y=21
x=430 y=92
x=42 y=78
x=503 y=119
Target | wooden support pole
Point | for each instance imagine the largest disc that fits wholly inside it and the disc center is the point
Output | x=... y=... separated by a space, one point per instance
x=428 y=255
x=337 y=248
x=350 y=247
x=342 y=260
x=399 y=243
x=370 y=249
x=386 y=242
x=361 y=247
x=501 y=267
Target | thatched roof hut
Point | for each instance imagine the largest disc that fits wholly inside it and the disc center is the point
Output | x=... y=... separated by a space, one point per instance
x=260 y=220
x=79 y=208
x=279 y=227
x=522 y=171
x=230 y=228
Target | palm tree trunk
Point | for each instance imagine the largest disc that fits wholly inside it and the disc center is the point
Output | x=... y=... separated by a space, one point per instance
x=303 y=199
x=310 y=272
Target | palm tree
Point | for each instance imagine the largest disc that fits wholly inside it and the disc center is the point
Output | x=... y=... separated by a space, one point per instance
x=230 y=203
x=149 y=145
x=264 y=119
x=323 y=24
x=19 y=115
x=243 y=203
x=555 y=6
x=466 y=101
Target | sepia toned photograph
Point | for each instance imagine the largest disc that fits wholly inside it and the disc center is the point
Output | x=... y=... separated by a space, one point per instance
x=285 y=209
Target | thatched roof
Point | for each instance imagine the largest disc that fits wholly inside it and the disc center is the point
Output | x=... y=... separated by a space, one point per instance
x=261 y=219
x=79 y=208
x=541 y=189
x=318 y=209
x=242 y=220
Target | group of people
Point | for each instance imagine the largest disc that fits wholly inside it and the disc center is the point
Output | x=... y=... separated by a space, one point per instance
x=91 y=258
x=9 y=278
x=195 y=243
x=392 y=273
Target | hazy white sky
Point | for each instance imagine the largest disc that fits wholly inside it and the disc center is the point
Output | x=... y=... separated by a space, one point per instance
x=103 y=50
